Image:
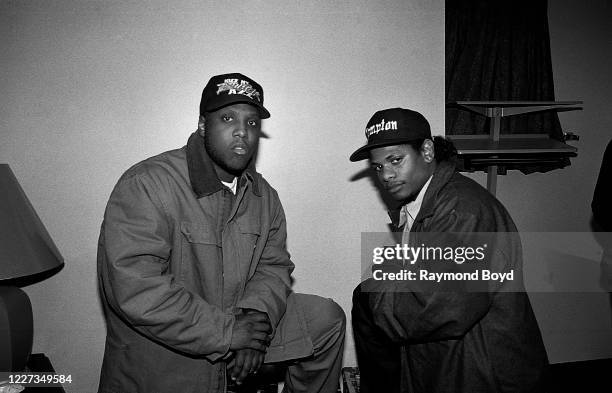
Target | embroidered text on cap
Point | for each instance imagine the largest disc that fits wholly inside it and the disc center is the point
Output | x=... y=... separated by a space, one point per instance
x=382 y=126
x=238 y=86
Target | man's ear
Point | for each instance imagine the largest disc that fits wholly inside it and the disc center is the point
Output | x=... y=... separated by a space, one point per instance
x=428 y=151
x=201 y=125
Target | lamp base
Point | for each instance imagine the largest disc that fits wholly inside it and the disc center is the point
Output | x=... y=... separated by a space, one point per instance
x=16 y=328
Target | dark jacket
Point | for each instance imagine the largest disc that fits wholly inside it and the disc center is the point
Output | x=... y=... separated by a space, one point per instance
x=177 y=254
x=601 y=205
x=467 y=341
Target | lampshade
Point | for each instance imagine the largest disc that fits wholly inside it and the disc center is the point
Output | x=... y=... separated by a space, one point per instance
x=25 y=245
x=26 y=250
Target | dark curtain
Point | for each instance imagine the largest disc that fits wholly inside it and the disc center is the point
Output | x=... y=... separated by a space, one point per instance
x=499 y=50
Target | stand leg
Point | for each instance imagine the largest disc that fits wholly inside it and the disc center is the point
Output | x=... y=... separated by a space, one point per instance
x=494 y=131
x=492 y=179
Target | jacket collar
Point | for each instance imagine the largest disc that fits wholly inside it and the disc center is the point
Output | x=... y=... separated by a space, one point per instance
x=441 y=176
x=202 y=175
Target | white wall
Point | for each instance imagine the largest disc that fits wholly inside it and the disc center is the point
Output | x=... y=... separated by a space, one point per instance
x=88 y=88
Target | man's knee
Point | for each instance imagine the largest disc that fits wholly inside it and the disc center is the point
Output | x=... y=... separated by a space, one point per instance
x=335 y=314
x=331 y=315
x=333 y=322
x=323 y=315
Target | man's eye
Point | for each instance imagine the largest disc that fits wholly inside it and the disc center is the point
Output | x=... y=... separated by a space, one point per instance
x=252 y=123
x=396 y=160
x=226 y=118
x=376 y=168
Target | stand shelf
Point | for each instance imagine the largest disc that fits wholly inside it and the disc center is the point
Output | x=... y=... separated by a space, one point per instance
x=495 y=153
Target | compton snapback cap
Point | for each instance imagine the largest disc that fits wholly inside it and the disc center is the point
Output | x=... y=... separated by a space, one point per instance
x=393 y=126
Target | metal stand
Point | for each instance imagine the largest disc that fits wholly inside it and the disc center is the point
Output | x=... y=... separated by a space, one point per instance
x=495 y=110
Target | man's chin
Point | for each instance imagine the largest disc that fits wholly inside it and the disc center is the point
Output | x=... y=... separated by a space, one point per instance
x=403 y=198
x=236 y=168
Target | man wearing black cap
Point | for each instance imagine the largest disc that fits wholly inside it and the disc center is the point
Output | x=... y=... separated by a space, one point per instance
x=193 y=268
x=428 y=341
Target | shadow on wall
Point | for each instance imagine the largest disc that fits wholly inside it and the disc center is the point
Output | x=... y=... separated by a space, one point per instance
x=385 y=198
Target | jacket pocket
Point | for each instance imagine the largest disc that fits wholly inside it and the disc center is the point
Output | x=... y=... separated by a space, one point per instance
x=249 y=236
x=199 y=234
x=200 y=267
x=250 y=228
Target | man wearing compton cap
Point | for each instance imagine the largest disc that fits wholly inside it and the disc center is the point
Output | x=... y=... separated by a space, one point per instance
x=193 y=268
x=434 y=341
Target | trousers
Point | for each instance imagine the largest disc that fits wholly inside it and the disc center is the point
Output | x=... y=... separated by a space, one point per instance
x=316 y=367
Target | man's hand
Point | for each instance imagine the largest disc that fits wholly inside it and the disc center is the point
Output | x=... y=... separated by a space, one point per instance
x=251 y=331
x=245 y=362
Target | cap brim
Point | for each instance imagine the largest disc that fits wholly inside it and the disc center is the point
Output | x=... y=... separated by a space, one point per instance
x=364 y=152
x=263 y=112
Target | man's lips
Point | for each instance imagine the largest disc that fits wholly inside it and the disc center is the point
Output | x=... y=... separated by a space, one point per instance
x=240 y=148
x=394 y=187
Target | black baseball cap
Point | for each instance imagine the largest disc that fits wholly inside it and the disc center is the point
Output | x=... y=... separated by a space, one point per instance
x=393 y=126
x=227 y=89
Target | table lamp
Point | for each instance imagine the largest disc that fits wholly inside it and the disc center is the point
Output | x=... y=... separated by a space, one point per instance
x=27 y=255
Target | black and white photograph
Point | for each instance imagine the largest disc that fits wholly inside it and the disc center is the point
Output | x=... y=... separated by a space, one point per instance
x=266 y=196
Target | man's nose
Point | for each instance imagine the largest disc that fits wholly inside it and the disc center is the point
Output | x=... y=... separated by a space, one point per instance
x=240 y=131
x=387 y=173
